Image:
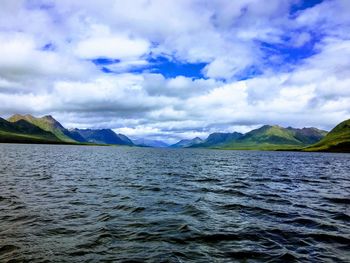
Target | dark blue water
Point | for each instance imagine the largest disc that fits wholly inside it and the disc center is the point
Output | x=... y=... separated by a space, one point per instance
x=111 y=204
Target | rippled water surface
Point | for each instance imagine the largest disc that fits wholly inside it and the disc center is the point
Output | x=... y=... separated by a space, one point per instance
x=114 y=204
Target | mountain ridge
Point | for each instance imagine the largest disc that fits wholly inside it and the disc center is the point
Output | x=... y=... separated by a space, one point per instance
x=46 y=123
x=185 y=143
x=337 y=140
x=270 y=137
x=29 y=129
x=267 y=137
x=104 y=136
x=22 y=131
x=217 y=138
x=142 y=142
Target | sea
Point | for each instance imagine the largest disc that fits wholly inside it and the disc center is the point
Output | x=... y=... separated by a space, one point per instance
x=64 y=203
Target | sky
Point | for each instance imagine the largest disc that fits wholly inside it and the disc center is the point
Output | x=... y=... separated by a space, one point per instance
x=171 y=70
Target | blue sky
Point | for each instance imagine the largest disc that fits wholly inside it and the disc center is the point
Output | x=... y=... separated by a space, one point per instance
x=170 y=67
x=176 y=69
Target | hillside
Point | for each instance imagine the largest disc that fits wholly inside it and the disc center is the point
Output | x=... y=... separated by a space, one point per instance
x=218 y=139
x=266 y=137
x=22 y=131
x=337 y=140
x=187 y=143
x=29 y=129
x=308 y=135
x=46 y=123
x=102 y=136
x=150 y=143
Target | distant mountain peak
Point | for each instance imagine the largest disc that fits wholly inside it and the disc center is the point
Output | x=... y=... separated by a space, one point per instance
x=267 y=127
x=149 y=143
x=104 y=136
x=185 y=143
x=49 y=117
x=18 y=116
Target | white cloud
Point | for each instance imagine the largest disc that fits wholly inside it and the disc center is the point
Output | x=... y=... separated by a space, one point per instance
x=102 y=43
x=124 y=66
x=21 y=57
x=224 y=35
x=301 y=39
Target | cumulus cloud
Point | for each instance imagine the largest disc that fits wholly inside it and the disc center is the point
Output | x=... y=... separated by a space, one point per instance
x=276 y=63
x=21 y=56
x=102 y=43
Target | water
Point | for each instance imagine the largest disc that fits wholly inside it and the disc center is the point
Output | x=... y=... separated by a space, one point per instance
x=114 y=204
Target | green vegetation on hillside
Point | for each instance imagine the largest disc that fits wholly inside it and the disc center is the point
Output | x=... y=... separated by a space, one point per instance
x=47 y=123
x=275 y=138
x=22 y=131
x=8 y=137
x=337 y=140
x=28 y=129
x=217 y=140
x=262 y=147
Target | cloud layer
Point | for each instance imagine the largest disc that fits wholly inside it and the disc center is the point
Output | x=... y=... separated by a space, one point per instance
x=98 y=64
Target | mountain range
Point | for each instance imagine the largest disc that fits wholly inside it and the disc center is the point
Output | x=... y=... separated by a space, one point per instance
x=46 y=123
x=264 y=138
x=102 y=136
x=21 y=131
x=29 y=129
x=218 y=140
x=141 y=142
x=187 y=143
x=275 y=137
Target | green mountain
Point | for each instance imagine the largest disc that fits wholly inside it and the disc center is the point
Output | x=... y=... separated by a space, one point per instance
x=218 y=139
x=187 y=143
x=265 y=138
x=308 y=135
x=49 y=124
x=29 y=129
x=337 y=140
x=102 y=136
x=22 y=131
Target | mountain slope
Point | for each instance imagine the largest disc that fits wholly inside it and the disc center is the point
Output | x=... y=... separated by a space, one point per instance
x=150 y=143
x=271 y=134
x=266 y=137
x=103 y=136
x=308 y=135
x=218 y=139
x=22 y=131
x=46 y=123
x=187 y=143
x=125 y=139
x=76 y=136
x=275 y=137
x=337 y=140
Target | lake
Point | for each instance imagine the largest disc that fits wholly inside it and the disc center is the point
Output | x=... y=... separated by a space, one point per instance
x=120 y=204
